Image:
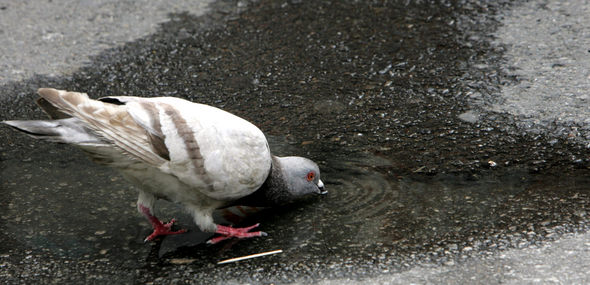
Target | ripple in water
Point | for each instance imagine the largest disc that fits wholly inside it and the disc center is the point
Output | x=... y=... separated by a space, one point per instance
x=357 y=192
x=366 y=205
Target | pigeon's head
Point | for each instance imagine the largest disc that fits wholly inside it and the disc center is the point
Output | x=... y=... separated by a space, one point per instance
x=302 y=176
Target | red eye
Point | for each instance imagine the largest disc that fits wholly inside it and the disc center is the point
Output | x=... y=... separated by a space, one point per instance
x=310 y=176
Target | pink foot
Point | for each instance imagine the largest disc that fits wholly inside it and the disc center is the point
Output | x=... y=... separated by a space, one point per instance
x=160 y=229
x=229 y=232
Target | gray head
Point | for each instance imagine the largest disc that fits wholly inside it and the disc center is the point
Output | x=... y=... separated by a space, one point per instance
x=290 y=178
x=301 y=175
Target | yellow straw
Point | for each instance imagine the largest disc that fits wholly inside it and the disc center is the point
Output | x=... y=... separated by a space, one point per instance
x=250 y=256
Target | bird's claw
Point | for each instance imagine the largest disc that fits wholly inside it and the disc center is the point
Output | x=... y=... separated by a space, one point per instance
x=229 y=232
x=161 y=229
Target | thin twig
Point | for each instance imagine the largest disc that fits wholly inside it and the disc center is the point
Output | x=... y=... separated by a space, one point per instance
x=250 y=256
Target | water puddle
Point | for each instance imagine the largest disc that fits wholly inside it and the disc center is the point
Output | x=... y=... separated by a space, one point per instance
x=57 y=202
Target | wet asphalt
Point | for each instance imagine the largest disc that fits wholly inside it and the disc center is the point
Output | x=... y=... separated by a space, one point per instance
x=398 y=101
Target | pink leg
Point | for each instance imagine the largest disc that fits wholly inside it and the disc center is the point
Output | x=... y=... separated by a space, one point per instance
x=160 y=228
x=229 y=232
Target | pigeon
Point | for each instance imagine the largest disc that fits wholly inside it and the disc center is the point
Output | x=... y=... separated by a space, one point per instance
x=193 y=154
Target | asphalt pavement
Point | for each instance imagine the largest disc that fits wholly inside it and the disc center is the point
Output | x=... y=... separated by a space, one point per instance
x=453 y=137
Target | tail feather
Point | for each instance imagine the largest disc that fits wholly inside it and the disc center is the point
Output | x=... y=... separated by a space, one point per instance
x=37 y=129
x=68 y=130
x=90 y=124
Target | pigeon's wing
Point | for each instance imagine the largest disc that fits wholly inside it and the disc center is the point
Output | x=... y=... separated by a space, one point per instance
x=217 y=153
x=111 y=122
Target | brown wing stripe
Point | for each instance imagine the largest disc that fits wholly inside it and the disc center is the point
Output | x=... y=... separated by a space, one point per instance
x=157 y=139
x=192 y=147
